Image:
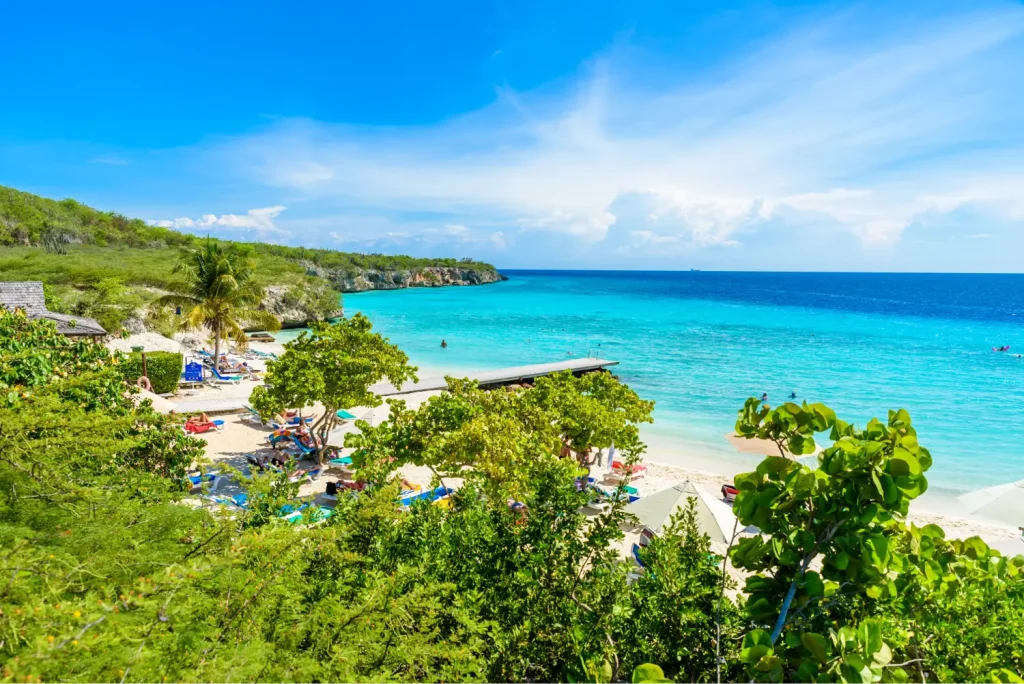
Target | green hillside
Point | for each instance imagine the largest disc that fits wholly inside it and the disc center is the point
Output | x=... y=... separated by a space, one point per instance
x=108 y=266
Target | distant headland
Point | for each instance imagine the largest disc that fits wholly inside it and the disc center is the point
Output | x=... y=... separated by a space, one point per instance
x=110 y=267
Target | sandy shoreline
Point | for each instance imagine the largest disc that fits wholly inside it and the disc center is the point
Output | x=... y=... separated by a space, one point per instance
x=668 y=463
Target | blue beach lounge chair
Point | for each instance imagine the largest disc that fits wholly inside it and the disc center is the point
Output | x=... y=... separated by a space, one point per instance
x=225 y=379
x=197 y=479
x=636 y=555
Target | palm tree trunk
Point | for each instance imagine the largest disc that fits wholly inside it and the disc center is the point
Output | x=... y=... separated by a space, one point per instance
x=216 y=346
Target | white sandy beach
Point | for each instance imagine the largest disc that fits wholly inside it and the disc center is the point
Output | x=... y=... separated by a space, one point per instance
x=667 y=465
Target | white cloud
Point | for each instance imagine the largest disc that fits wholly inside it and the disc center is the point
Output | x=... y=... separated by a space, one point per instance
x=829 y=128
x=260 y=221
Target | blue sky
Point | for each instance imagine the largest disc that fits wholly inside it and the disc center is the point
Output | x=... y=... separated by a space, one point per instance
x=675 y=135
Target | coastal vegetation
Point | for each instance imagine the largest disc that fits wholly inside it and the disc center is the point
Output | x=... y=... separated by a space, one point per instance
x=110 y=267
x=114 y=571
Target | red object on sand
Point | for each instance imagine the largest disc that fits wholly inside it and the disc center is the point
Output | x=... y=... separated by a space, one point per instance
x=199 y=428
x=729 y=493
x=636 y=468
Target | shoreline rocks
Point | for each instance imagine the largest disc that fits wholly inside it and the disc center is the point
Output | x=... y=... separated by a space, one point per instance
x=432 y=276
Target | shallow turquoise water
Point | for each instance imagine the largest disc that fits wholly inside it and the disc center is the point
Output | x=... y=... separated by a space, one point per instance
x=700 y=343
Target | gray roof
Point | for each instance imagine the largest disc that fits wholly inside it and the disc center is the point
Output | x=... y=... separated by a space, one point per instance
x=72 y=325
x=28 y=296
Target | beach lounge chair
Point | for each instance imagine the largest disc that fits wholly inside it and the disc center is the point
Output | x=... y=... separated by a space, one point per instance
x=316 y=515
x=636 y=556
x=637 y=470
x=252 y=415
x=342 y=465
x=301 y=475
x=729 y=493
x=302 y=448
x=238 y=501
x=199 y=428
x=224 y=379
x=605 y=496
x=196 y=480
x=294 y=421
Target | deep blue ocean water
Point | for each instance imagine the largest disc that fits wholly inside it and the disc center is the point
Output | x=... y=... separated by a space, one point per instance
x=699 y=343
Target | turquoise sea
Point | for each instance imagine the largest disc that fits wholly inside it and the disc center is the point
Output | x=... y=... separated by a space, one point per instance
x=699 y=343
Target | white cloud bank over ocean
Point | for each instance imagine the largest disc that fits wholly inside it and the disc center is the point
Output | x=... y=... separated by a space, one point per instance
x=870 y=142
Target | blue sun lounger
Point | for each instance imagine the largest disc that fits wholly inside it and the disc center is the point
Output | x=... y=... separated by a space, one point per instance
x=198 y=479
x=219 y=377
x=636 y=556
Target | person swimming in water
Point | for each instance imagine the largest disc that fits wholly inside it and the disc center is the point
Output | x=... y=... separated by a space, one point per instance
x=444 y=345
x=792 y=395
x=764 y=397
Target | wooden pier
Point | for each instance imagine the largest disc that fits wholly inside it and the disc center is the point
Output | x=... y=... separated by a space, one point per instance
x=496 y=378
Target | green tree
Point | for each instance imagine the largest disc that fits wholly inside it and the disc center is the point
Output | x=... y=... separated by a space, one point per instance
x=595 y=410
x=546 y=575
x=497 y=435
x=670 y=615
x=335 y=366
x=846 y=518
x=218 y=291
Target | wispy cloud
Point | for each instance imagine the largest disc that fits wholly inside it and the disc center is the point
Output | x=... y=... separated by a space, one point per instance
x=860 y=127
x=256 y=221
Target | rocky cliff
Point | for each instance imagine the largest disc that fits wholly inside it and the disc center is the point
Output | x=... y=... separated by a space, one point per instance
x=295 y=306
x=432 y=276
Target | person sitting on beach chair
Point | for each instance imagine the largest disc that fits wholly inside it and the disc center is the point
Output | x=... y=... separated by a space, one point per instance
x=202 y=423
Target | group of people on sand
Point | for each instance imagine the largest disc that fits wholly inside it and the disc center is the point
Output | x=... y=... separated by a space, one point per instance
x=300 y=432
x=228 y=367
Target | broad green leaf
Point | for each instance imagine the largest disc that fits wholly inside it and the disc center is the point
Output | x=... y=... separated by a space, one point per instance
x=648 y=672
x=869 y=634
x=817 y=645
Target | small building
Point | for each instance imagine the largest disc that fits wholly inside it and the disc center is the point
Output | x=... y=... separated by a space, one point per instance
x=28 y=296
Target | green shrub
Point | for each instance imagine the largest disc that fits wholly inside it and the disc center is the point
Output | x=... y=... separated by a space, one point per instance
x=164 y=369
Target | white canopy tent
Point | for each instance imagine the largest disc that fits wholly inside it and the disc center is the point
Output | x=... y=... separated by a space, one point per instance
x=1004 y=503
x=714 y=516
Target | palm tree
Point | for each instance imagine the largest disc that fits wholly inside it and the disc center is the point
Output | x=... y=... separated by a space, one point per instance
x=218 y=292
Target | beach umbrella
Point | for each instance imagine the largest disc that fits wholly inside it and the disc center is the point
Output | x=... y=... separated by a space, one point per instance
x=764 y=447
x=607 y=466
x=1004 y=503
x=714 y=516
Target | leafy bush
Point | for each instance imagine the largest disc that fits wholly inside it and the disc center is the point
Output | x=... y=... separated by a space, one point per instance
x=108 y=577
x=835 y=562
x=164 y=369
x=672 y=610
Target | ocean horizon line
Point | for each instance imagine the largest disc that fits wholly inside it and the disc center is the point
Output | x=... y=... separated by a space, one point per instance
x=755 y=271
